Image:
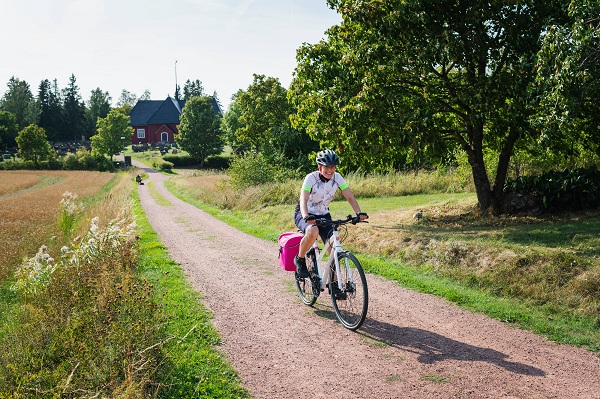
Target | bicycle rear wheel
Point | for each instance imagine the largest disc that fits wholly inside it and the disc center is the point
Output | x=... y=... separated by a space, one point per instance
x=352 y=303
x=309 y=288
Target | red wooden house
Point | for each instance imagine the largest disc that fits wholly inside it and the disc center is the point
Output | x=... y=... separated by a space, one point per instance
x=156 y=121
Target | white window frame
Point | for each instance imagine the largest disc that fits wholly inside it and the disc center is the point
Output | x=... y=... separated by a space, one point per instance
x=161 y=137
x=141 y=133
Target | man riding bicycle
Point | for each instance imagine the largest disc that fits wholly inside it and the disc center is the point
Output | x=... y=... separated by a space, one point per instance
x=318 y=190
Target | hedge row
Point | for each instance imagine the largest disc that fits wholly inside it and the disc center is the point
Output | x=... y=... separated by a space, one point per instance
x=572 y=189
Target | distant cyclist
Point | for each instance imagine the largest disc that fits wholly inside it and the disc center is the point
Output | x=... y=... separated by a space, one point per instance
x=318 y=190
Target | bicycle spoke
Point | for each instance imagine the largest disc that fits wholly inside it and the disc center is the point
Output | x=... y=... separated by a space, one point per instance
x=308 y=288
x=351 y=303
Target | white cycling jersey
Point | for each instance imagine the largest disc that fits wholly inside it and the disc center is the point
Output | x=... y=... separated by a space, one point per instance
x=322 y=192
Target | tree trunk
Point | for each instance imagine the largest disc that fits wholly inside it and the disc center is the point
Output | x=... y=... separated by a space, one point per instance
x=474 y=151
x=502 y=172
x=482 y=186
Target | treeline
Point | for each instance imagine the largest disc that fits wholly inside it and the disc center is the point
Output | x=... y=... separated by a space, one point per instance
x=63 y=113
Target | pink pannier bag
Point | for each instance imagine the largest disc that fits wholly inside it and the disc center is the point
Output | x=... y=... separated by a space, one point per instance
x=289 y=246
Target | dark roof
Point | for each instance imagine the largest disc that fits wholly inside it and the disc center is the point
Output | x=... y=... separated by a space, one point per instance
x=151 y=112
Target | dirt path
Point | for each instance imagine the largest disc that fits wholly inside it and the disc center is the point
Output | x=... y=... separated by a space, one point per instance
x=411 y=345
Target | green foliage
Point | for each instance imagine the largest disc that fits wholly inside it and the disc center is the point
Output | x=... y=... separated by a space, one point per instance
x=51 y=110
x=263 y=107
x=568 y=81
x=180 y=160
x=258 y=120
x=575 y=189
x=192 y=89
x=74 y=124
x=33 y=144
x=98 y=107
x=409 y=81
x=9 y=129
x=251 y=169
x=162 y=165
x=84 y=323
x=112 y=133
x=199 y=130
x=19 y=101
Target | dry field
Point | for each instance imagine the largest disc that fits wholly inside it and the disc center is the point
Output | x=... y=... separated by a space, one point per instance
x=29 y=202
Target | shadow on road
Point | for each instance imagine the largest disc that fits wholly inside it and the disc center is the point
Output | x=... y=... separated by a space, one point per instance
x=432 y=347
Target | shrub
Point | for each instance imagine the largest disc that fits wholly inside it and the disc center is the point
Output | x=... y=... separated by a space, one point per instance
x=180 y=160
x=162 y=165
x=573 y=189
x=253 y=169
x=218 y=162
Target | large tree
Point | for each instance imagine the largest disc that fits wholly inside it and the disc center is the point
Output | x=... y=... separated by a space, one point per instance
x=199 y=130
x=396 y=71
x=73 y=112
x=8 y=130
x=193 y=89
x=113 y=131
x=127 y=101
x=33 y=144
x=51 y=111
x=98 y=107
x=263 y=108
x=19 y=101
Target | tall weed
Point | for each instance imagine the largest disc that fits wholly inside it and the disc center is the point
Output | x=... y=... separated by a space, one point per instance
x=82 y=323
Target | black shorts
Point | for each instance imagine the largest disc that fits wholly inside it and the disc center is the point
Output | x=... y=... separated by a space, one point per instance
x=324 y=231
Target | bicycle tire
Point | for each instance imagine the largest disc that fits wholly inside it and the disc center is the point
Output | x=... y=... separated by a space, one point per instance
x=351 y=309
x=309 y=288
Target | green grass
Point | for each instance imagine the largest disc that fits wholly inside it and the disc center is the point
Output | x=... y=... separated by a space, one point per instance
x=520 y=290
x=194 y=367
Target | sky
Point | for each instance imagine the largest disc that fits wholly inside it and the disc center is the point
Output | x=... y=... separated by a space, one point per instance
x=139 y=45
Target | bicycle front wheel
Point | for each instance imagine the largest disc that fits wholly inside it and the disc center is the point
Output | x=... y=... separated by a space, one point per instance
x=309 y=288
x=352 y=302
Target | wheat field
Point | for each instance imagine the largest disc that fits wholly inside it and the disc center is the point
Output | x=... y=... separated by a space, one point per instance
x=29 y=202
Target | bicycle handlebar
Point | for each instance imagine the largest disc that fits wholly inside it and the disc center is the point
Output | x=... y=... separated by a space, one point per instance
x=349 y=219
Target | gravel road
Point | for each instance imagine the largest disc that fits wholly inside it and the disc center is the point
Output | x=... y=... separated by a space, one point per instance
x=411 y=345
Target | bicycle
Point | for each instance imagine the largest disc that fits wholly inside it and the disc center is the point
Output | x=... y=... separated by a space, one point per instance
x=341 y=274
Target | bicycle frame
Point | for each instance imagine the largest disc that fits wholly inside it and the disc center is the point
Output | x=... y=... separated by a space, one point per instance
x=349 y=295
x=334 y=244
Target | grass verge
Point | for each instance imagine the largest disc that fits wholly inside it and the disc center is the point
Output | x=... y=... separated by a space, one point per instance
x=193 y=366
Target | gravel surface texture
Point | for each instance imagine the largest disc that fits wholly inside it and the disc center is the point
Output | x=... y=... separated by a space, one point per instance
x=411 y=345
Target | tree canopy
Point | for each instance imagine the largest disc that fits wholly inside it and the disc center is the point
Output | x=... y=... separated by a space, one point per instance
x=51 y=110
x=98 y=107
x=112 y=133
x=199 y=130
x=568 y=82
x=19 y=101
x=74 y=112
x=8 y=129
x=33 y=144
x=193 y=89
x=399 y=74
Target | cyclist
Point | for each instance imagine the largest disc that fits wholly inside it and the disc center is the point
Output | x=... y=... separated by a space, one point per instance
x=317 y=192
